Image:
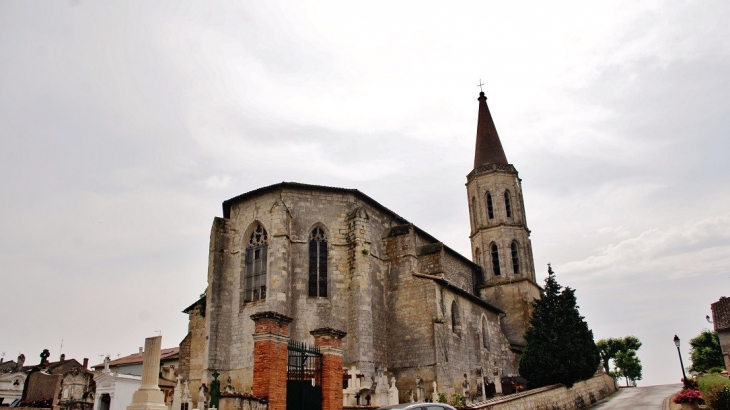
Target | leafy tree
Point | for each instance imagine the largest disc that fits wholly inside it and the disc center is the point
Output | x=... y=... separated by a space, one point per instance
x=560 y=347
x=628 y=365
x=706 y=352
x=608 y=348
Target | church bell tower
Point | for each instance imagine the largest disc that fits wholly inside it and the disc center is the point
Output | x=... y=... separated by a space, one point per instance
x=500 y=240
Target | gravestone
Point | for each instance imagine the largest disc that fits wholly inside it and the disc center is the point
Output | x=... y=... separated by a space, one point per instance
x=392 y=392
x=149 y=396
x=185 y=399
x=177 y=395
x=381 y=390
x=202 y=396
x=420 y=391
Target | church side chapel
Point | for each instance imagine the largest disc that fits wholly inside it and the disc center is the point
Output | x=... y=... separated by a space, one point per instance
x=408 y=317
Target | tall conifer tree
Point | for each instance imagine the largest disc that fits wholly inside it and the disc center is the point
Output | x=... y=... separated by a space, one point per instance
x=560 y=346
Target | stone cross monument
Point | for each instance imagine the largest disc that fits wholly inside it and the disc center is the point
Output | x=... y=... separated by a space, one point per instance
x=149 y=396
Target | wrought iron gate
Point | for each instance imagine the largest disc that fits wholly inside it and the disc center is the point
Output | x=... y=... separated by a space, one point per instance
x=303 y=377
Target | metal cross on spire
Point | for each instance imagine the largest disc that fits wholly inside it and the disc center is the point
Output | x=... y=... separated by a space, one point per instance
x=480 y=85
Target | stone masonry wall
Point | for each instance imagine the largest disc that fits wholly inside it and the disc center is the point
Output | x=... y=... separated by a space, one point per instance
x=464 y=352
x=581 y=395
x=515 y=298
x=192 y=348
x=355 y=269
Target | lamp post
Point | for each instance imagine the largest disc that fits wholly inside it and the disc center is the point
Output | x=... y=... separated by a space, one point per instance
x=684 y=376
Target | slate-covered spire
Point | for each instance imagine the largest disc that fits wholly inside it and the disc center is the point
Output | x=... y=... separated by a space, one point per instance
x=489 y=147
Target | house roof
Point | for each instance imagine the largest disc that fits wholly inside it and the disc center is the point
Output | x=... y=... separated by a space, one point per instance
x=10 y=364
x=59 y=367
x=171 y=353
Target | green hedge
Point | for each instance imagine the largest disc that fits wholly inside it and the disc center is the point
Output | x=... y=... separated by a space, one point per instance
x=710 y=385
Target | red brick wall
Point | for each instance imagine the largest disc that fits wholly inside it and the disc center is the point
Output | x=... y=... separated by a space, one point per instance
x=270 y=358
x=330 y=343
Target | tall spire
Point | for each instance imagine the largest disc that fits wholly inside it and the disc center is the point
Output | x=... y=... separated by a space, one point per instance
x=489 y=147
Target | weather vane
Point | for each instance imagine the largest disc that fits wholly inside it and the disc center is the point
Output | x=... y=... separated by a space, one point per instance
x=480 y=85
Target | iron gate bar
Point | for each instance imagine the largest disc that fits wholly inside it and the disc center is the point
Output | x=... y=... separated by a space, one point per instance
x=304 y=377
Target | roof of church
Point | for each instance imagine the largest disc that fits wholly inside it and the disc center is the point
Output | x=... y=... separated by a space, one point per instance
x=445 y=283
x=397 y=219
x=488 y=148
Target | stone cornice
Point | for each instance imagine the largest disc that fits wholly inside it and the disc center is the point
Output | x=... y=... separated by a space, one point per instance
x=328 y=331
x=271 y=315
x=269 y=337
x=485 y=169
x=330 y=351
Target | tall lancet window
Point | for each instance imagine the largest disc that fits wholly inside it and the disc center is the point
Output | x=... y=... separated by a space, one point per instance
x=495 y=260
x=317 y=263
x=455 y=319
x=507 y=204
x=490 y=208
x=485 y=333
x=515 y=258
x=255 y=275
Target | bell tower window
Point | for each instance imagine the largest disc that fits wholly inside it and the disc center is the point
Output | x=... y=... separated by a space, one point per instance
x=495 y=260
x=255 y=274
x=490 y=208
x=317 y=263
x=474 y=211
x=515 y=258
x=507 y=204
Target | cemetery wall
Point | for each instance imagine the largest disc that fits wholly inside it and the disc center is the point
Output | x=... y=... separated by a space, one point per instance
x=581 y=395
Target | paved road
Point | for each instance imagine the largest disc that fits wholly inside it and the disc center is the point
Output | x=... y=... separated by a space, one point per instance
x=649 y=398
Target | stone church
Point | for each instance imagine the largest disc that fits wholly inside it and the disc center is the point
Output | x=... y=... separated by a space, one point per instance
x=335 y=258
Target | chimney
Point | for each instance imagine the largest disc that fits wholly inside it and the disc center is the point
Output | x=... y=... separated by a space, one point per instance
x=63 y=357
x=141 y=349
x=86 y=362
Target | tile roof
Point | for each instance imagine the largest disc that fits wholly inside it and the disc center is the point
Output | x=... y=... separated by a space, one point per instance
x=171 y=353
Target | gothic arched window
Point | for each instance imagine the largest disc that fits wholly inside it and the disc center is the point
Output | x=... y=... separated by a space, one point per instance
x=490 y=208
x=317 y=263
x=255 y=274
x=507 y=204
x=474 y=212
x=485 y=333
x=455 y=319
x=515 y=258
x=495 y=260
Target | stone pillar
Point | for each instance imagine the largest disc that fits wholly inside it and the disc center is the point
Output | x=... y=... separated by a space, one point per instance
x=149 y=396
x=329 y=342
x=270 y=357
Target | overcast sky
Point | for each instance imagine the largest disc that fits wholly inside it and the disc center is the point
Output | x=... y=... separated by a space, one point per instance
x=125 y=125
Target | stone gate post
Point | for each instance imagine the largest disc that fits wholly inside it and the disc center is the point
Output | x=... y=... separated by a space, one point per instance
x=270 y=357
x=329 y=342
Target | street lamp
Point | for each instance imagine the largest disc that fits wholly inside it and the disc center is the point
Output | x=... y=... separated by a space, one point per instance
x=684 y=376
